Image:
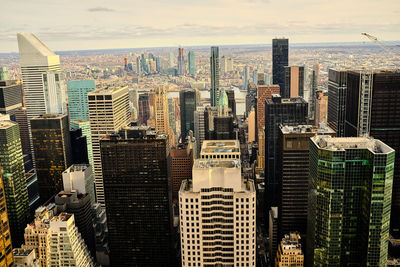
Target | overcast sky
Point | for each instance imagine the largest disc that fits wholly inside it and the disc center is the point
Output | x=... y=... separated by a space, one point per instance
x=87 y=24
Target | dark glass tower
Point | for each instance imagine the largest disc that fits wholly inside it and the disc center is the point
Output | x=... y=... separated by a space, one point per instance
x=188 y=103
x=280 y=59
x=10 y=97
x=13 y=176
x=373 y=107
x=52 y=148
x=79 y=151
x=337 y=90
x=349 y=201
x=144 y=108
x=287 y=111
x=214 y=66
x=294 y=81
x=137 y=185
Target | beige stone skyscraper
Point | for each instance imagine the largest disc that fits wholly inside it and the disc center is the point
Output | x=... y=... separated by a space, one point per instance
x=159 y=102
x=108 y=112
x=289 y=252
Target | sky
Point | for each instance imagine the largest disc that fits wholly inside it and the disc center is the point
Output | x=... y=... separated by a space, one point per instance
x=101 y=24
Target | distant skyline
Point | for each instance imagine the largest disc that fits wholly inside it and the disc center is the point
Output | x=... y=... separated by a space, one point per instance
x=81 y=25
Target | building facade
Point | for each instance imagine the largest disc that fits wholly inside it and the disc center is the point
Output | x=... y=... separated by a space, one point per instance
x=137 y=185
x=5 y=240
x=181 y=166
x=52 y=148
x=264 y=92
x=289 y=252
x=214 y=66
x=188 y=103
x=192 y=63
x=337 y=91
x=349 y=201
x=280 y=59
x=294 y=81
x=10 y=97
x=108 y=112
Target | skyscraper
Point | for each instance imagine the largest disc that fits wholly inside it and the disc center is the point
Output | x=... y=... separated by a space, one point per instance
x=14 y=182
x=84 y=127
x=349 y=201
x=22 y=119
x=214 y=66
x=246 y=77
x=52 y=148
x=181 y=166
x=79 y=152
x=192 y=63
x=181 y=61
x=77 y=99
x=5 y=237
x=264 y=92
x=43 y=81
x=144 y=109
x=321 y=107
x=4 y=74
x=188 y=103
x=199 y=128
x=137 y=181
x=372 y=108
x=287 y=111
x=293 y=170
x=10 y=97
x=171 y=60
x=159 y=103
x=227 y=237
x=294 y=81
x=289 y=251
x=108 y=112
x=337 y=90
x=80 y=178
x=231 y=101
x=314 y=88
x=280 y=59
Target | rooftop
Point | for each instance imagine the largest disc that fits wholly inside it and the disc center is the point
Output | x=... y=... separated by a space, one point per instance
x=322 y=129
x=135 y=132
x=6 y=124
x=221 y=163
x=277 y=99
x=342 y=143
x=21 y=252
x=49 y=116
x=107 y=90
x=77 y=168
x=220 y=146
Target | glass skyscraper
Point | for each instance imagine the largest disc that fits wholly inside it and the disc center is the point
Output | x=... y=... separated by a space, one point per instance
x=192 y=63
x=350 y=193
x=188 y=107
x=280 y=59
x=214 y=66
x=77 y=99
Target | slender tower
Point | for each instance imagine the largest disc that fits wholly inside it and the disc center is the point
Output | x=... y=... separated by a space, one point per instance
x=214 y=65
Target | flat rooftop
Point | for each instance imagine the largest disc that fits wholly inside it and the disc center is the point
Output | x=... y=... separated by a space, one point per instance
x=77 y=168
x=220 y=146
x=107 y=90
x=342 y=143
x=49 y=116
x=323 y=129
x=6 y=124
x=220 y=163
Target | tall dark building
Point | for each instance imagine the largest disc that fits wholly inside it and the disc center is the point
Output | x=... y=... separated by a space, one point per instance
x=10 y=97
x=373 y=107
x=22 y=119
x=231 y=101
x=280 y=59
x=188 y=103
x=52 y=148
x=251 y=97
x=223 y=128
x=337 y=90
x=80 y=205
x=214 y=72
x=294 y=81
x=287 y=111
x=181 y=166
x=137 y=185
x=144 y=108
x=181 y=61
x=79 y=152
x=293 y=171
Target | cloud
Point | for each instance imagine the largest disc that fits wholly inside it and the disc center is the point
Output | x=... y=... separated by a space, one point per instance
x=100 y=9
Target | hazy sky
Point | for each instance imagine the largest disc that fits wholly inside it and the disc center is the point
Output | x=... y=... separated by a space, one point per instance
x=87 y=24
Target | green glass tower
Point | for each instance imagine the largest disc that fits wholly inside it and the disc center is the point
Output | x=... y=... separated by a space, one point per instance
x=15 y=187
x=350 y=193
x=192 y=63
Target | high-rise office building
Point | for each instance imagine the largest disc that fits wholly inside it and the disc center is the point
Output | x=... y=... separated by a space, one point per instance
x=349 y=201
x=79 y=153
x=199 y=128
x=84 y=127
x=371 y=108
x=108 y=112
x=214 y=71
x=314 y=88
x=137 y=185
x=273 y=230
x=181 y=61
x=255 y=76
x=52 y=148
x=4 y=74
x=181 y=166
x=24 y=258
x=80 y=178
x=159 y=103
x=188 y=103
x=251 y=125
x=280 y=59
x=59 y=233
x=246 y=77
x=43 y=81
x=289 y=251
x=293 y=171
x=10 y=97
x=337 y=91
x=209 y=237
x=251 y=97
x=171 y=60
x=264 y=92
x=287 y=111
x=294 y=81
x=192 y=63
x=77 y=99
x=231 y=101
x=321 y=107
x=5 y=236
x=144 y=109
x=15 y=187
x=22 y=119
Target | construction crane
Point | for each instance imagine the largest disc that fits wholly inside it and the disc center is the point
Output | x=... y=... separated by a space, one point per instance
x=376 y=40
